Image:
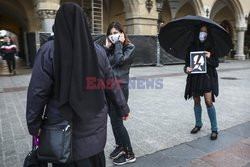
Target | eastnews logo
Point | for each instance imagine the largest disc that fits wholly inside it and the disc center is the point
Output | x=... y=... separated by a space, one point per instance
x=133 y=83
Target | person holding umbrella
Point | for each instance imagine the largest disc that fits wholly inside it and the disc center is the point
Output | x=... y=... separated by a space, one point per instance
x=205 y=84
x=189 y=34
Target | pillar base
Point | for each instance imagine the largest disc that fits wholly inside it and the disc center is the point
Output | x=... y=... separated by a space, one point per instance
x=240 y=57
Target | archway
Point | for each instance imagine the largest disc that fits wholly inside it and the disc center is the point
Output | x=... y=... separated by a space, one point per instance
x=113 y=11
x=227 y=10
x=234 y=6
x=226 y=14
x=165 y=14
x=228 y=27
x=198 y=6
x=18 y=16
x=185 y=9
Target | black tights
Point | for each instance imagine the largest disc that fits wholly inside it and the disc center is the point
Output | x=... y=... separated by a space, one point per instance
x=207 y=97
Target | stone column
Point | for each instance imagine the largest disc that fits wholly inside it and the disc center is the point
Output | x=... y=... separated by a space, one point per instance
x=46 y=10
x=139 y=19
x=240 y=43
x=47 y=17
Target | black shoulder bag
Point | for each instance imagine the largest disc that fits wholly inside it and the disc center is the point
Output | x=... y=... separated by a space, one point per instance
x=55 y=143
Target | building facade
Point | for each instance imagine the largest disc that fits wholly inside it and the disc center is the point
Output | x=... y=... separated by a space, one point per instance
x=140 y=17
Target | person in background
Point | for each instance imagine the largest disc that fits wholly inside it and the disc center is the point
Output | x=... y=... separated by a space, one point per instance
x=8 y=52
x=120 y=54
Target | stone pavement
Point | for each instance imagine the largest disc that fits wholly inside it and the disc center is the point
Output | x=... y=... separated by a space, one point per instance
x=160 y=118
x=232 y=156
x=231 y=149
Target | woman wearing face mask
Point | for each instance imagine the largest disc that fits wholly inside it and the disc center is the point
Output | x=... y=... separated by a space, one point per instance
x=120 y=54
x=203 y=84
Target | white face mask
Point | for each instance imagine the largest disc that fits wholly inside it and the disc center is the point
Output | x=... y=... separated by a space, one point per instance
x=202 y=36
x=114 y=38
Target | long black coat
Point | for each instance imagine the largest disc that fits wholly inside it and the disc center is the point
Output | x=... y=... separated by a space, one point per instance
x=89 y=137
x=198 y=84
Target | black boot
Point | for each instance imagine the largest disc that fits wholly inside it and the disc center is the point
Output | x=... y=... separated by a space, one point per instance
x=195 y=129
x=214 y=135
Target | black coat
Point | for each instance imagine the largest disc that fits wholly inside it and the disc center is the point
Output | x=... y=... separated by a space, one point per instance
x=121 y=58
x=89 y=137
x=198 y=84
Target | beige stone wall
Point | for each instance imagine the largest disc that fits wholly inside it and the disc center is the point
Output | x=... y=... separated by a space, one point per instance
x=138 y=19
x=245 y=6
x=46 y=4
x=186 y=9
x=33 y=21
x=114 y=12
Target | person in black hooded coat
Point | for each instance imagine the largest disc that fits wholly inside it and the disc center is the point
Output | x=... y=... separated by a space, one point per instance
x=60 y=84
x=203 y=84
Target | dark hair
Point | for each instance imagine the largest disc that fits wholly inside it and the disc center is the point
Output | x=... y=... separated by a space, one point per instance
x=209 y=40
x=119 y=28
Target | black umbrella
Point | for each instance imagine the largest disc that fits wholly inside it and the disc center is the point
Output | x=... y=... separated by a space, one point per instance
x=177 y=35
